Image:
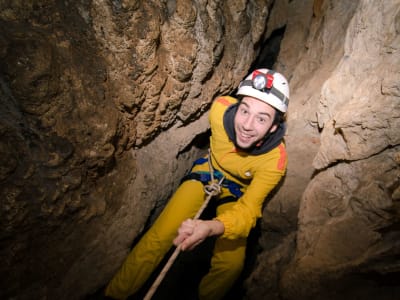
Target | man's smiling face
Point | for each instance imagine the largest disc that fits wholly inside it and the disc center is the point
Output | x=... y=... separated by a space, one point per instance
x=253 y=120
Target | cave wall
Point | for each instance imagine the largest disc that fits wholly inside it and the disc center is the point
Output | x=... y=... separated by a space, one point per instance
x=343 y=149
x=102 y=99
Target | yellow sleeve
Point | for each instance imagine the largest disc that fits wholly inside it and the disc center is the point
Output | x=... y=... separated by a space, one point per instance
x=242 y=217
x=219 y=106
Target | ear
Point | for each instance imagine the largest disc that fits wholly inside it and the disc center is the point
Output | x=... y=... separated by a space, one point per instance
x=273 y=128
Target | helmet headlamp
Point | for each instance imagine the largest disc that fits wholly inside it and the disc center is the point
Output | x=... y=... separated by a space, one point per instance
x=268 y=86
x=259 y=82
x=262 y=81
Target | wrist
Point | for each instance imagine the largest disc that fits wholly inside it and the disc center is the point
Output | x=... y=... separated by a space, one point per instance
x=216 y=227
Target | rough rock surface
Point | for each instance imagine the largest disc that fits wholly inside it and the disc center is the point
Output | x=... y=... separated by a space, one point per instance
x=343 y=144
x=101 y=99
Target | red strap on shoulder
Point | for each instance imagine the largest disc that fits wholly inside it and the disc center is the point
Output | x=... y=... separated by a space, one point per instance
x=224 y=101
x=282 y=160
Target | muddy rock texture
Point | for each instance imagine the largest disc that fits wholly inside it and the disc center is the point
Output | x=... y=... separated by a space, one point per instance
x=101 y=106
x=104 y=107
x=331 y=231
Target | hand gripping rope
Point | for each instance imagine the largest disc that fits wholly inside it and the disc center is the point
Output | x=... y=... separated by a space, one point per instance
x=212 y=189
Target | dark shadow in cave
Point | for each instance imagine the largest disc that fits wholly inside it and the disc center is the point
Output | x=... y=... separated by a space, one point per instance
x=269 y=50
x=200 y=141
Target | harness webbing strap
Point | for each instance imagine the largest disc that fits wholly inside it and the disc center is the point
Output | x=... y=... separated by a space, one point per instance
x=205 y=178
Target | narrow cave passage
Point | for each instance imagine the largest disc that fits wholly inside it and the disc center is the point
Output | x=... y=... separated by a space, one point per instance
x=184 y=276
x=100 y=103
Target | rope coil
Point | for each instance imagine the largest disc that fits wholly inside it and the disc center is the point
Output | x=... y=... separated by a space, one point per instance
x=212 y=189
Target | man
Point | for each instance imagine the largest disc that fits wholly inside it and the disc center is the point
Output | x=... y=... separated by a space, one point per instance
x=246 y=147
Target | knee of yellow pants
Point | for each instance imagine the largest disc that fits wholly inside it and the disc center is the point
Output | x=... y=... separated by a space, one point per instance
x=150 y=250
x=226 y=266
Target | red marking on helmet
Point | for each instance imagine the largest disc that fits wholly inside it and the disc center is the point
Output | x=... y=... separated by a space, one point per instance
x=270 y=80
x=255 y=73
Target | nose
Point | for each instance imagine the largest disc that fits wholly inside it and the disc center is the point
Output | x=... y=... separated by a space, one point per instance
x=248 y=123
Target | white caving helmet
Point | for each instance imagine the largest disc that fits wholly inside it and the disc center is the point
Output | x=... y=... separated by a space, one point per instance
x=268 y=86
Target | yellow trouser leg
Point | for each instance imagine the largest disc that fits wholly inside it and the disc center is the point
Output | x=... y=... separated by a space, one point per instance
x=226 y=266
x=152 y=247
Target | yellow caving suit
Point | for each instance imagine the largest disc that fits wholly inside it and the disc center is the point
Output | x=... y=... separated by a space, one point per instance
x=257 y=174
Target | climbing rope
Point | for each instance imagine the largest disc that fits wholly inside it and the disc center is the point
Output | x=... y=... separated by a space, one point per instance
x=212 y=189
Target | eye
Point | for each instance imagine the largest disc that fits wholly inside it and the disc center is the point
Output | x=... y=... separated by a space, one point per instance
x=261 y=120
x=243 y=110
